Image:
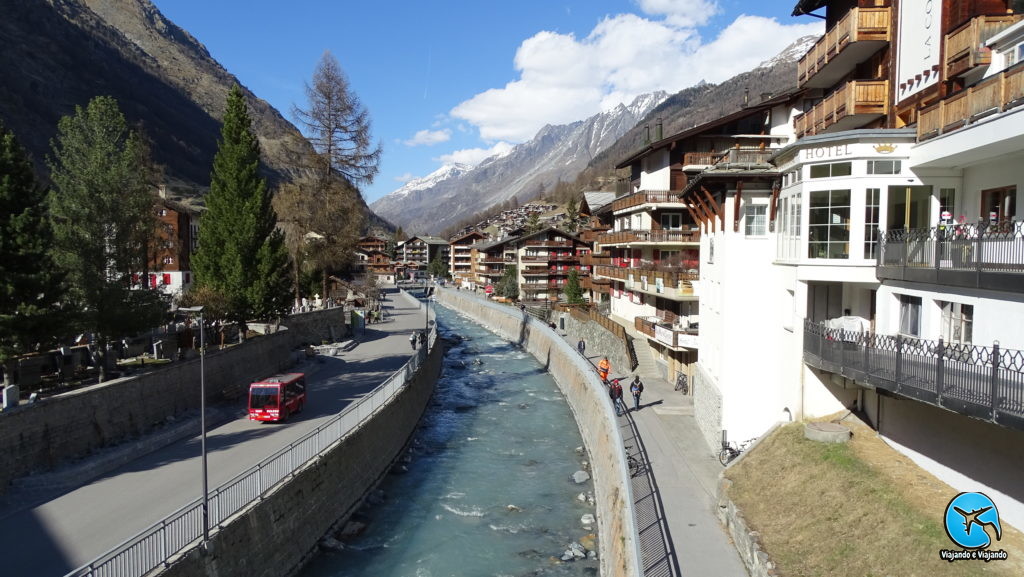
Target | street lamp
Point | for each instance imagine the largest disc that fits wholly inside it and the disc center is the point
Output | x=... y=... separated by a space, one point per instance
x=202 y=416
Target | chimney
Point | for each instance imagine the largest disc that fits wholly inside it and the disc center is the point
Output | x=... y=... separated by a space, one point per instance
x=647 y=134
x=657 y=130
x=746 y=96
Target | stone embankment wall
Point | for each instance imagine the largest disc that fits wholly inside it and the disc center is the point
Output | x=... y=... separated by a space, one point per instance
x=278 y=533
x=38 y=437
x=598 y=340
x=594 y=415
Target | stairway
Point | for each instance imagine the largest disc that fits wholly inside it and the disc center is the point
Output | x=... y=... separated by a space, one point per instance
x=646 y=366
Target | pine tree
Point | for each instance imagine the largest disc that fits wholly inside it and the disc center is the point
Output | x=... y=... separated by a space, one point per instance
x=508 y=284
x=30 y=286
x=573 y=291
x=241 y=253
x=437 y=267
x=103 y=212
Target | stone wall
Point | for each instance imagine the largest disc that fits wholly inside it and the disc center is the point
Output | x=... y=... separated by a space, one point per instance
x=37 y=437
x=707 y=408
x=599 y=342
x=278 y=533
x=620 y=555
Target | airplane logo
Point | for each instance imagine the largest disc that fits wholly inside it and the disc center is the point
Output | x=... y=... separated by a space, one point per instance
x=967 y=511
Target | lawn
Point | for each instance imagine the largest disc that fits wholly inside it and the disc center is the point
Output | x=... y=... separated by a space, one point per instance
x=857 y=509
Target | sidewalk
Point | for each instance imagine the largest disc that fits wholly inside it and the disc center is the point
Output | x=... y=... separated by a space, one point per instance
x=676 y=488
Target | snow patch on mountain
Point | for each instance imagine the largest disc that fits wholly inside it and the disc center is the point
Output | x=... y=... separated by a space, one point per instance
x=793 y=52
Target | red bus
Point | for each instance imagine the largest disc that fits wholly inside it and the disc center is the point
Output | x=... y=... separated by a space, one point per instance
x=277 y=397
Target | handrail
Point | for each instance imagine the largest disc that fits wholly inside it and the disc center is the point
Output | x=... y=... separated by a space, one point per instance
x=157 y=544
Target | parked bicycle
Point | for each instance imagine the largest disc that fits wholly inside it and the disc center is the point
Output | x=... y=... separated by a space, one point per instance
x=682 y=384
x=731 y=450
x=636 y=466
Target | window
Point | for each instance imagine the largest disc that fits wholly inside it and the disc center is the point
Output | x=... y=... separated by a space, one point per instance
x=672 y=221
x=884 y=166
x=755 y=220
x=167 y=279
x=831 y=170
x=997 y=204
x=829 y=224
x=910 y=316
x=947 y=204
x=957 y=322
x=871 y=222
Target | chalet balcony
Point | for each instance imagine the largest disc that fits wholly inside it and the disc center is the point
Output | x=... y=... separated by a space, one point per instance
x=982 y=255
x=650 y=237
x=535 y=272
x=701 y=159
x=549 y=243
x=598 y=285
x=993 y=95
x=492 y=259
x=982 y=382
x=853 y=105
x=669 y=284
x=595 y=260
x=965 y=46
x=668 y=334
x=858 y=35
x=647 y=197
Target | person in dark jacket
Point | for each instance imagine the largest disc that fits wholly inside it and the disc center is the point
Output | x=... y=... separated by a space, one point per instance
x=636 y=388
x=615 y=392
x=582 y=347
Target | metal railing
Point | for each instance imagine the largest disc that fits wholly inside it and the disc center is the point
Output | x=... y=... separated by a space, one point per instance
x=983 y=382
x=155 y=546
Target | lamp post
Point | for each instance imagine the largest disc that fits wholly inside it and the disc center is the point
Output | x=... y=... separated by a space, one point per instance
x=202 y=417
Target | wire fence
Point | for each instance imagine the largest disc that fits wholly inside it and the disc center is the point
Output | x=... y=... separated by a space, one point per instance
x=157 y=545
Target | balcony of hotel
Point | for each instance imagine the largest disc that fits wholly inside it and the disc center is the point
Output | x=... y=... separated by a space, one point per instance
x=982 y=382
x=670 y=334
x=649 y=197
x=994 y=95
x=853 y=105
x=495 y=259
x=591 y=259
x=965 y=46
x=989 y=256
x=598 y=285
x=654 y=237
x=858 y=35
x=548 y=243
x=669 y=284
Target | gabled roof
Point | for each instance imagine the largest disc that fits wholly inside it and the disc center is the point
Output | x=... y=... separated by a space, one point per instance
x=475 y=233
x=551 y=229
x=485 y=246
x=429 y=239
x=741 y=113
x=808 y=6
x=595 y=200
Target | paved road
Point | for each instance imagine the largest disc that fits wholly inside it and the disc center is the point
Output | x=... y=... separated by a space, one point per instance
x=55 y=537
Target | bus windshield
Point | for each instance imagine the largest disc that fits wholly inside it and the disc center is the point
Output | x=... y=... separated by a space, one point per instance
x=263 y=397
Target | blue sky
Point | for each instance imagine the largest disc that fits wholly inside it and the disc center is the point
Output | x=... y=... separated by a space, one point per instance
x=458 y=80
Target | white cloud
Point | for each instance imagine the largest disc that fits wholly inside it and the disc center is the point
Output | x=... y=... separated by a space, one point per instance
x=563 y=78
x=404 y=178
x=429 y=137
x=474 y=156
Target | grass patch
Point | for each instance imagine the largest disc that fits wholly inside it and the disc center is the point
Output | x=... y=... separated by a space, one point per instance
x=832 y=509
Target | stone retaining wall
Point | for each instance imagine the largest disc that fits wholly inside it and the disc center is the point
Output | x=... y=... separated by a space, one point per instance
x=619 y=550
x=276 y=535
x=38 y=437
x=599 y=341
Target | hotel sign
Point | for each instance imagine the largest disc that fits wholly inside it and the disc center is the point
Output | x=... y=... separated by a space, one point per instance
x=917 y=63
x=826 y=152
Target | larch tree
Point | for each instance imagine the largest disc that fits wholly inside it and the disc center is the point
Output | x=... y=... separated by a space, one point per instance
x=103 y=213
x=241 y=253
x=30 y=285
x=337 y=125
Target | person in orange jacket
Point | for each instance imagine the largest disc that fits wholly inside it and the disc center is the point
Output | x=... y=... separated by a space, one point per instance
x=603 y=368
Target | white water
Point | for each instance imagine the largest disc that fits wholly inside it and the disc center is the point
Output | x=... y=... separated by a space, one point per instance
x=487 y=492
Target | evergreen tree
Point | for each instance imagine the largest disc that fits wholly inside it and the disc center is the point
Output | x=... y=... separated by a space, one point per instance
x=573 y=291
x=572 y=214
x=29 y=284
x=437 y=268
x=508 y=284
x=241 y=253
x=103 y=212
x=533 y=223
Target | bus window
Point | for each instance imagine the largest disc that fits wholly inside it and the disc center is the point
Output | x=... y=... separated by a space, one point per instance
x=263 y=398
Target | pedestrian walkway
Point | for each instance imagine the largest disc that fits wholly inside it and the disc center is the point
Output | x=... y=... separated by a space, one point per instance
x=675 y=481
x=53 y=535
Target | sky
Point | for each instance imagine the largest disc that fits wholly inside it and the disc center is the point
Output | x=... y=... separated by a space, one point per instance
x=460 y=80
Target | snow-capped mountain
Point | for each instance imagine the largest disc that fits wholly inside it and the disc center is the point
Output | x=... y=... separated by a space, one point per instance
x=793 y=52
x=431 y=203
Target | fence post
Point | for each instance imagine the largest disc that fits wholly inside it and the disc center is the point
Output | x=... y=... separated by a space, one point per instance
x=994 y=400
x=899 y=362
x=978 y=244
x=940 y=370
x=867 y=356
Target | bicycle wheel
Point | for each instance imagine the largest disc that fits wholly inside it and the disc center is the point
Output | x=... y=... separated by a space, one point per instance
x=726 y=455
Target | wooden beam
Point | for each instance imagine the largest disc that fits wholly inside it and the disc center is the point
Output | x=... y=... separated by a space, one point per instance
x=714 y=205
x=702 y=216
x=772 y=207
x=689 y=210
x=736 y=206
x=707 y=210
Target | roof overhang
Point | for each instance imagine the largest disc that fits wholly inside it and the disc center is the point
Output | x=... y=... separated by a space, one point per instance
x=807 y=6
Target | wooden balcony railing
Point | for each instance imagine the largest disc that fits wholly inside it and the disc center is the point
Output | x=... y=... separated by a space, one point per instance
x=746 y=156
x=860 y=25
x=681 y=283
x=595 y=260
x=965 y=46
x=665 y=333
x=995 y=94
x=646 y=197
x=701 y=158
x=855 y=98
x=649 y=236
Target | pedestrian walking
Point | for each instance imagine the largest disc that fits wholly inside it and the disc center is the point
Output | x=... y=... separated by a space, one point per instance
x=582 y=347
x=637 y=388
x=615 y=392
x=423 y=339
x=412 y=340
x=603 y=368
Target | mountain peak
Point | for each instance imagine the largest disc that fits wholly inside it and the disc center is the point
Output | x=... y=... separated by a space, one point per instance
x=793 y=52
